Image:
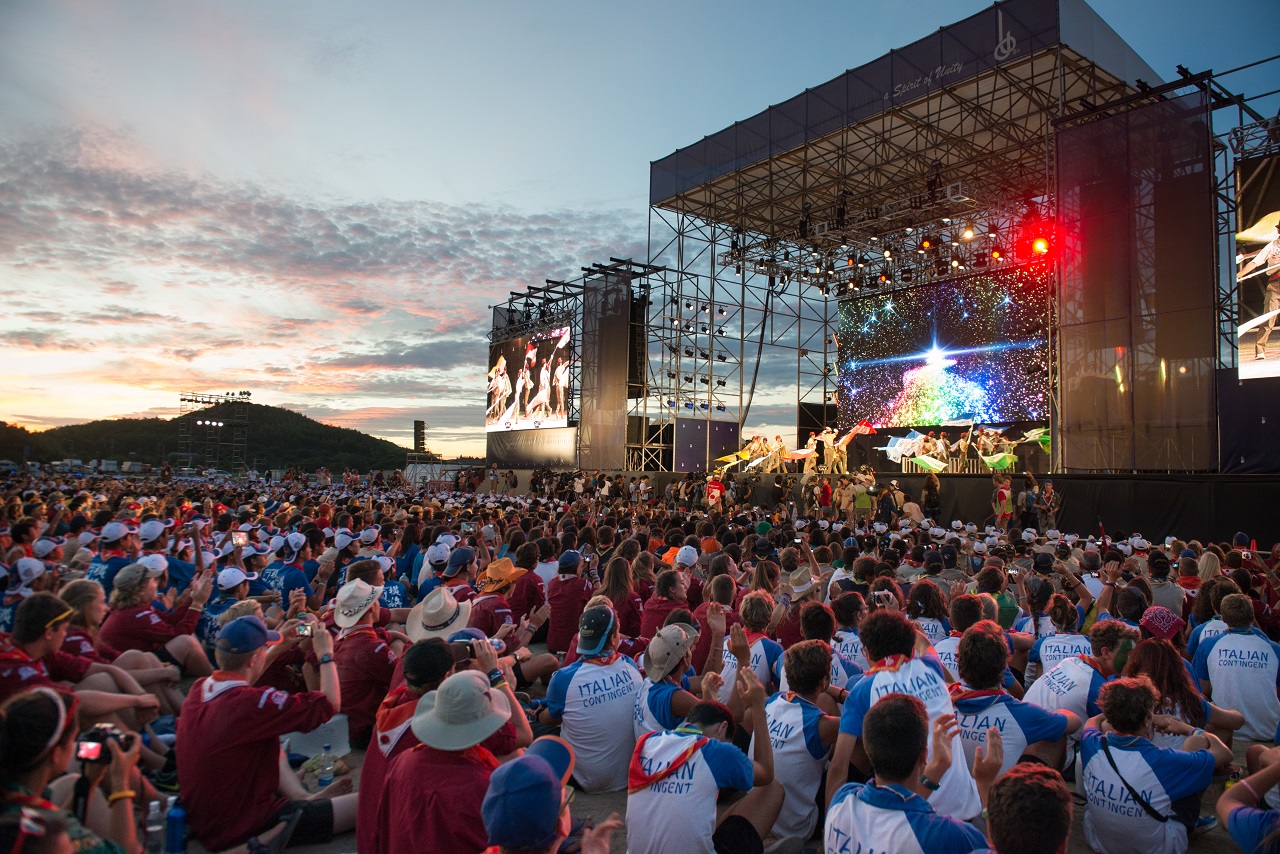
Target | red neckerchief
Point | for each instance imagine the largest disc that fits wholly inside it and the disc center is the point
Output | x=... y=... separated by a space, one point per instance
x=752 y=637
x=396 y=710
x=22 y=798
x=1089 y=660
x=603 y=660
x=893 y=664
x=637 y=779
x=956 y=634
x=959 y=692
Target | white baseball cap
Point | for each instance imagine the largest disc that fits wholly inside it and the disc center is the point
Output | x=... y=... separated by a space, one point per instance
x=687 y=556
x=113 y=531
x=151 y=530
x=45 y=546
x=155 y=563
x=233 y=576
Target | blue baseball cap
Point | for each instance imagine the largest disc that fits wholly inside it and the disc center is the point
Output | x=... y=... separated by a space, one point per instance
x=462 y=556
x=522 y=807
x=246 y=634
x=570 y=560
x=595 y=627
x=467 y=634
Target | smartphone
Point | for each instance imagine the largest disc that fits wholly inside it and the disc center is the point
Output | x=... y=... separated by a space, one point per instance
x=468 y=528
x=240 y=538
x=796 y=540
x=306 y=630
x=1011 y=571
x=884 y=598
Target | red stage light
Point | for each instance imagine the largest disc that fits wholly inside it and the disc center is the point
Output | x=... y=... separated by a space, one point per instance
x=1040 y=246
x=995 y=254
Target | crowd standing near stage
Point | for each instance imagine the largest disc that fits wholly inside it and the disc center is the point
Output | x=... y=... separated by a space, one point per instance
x=836 y=670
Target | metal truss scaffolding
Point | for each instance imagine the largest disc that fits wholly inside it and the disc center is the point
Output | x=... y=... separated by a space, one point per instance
x=213 y=429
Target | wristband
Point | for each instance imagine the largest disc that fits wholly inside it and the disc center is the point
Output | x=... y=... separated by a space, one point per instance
x=1195 y=731
x=1252 y=790
x=121 y=795
x=929 y=784
x=495 y=676
x=327 y=658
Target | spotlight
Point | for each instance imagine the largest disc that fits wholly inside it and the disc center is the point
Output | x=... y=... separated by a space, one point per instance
x=720 y=406
x=737 y=271
x=885 y=275
x=688 y=379
x=688 y=351
x=908 y=274
x=722 y=357
x=688 y=305
x=1040 y=246
x=688 y=405
x=968 y=231
x=850 y=261
x=720 y=330
x=863 y=261
x=704 y=406
x=926 y=243
x=996 y=253
x=720 y=383
x=671 y=403
x=955 y=260
x=704 y=354
x=991 y=230
x=671 y=375
x=720 y=311
x=946 y=220
x=888 y=253
x=703 y=327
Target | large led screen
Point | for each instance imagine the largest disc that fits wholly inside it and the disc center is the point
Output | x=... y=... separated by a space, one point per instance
x=528 y=381
x=1258 y=265
x=970 y=348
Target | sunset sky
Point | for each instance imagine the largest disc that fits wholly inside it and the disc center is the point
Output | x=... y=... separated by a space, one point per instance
x=319 y=201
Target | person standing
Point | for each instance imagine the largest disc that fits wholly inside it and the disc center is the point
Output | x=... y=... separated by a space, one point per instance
x=1047 y=506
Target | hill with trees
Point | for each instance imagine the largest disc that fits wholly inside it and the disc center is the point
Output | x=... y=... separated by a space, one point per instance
x=278 y=438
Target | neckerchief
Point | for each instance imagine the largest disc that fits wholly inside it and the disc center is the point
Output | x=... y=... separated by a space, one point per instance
x=893 y=664
x=959 y=692
x=637 y=779
x=393 y=718
x=602 y=660
x=1089 y=660
x=21 y=797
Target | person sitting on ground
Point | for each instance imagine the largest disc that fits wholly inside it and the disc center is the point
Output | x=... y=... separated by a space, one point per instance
x=902 y=661
x=893 y=811
x=817 y=622
x=676 y=777
x=802 y=734
x=33 y=656
x=1143 y=798
x=1030 y=732
x=593 y=700
x=1073 y=685
x=669 y=593
x=567 y=594
x=526 y=807
x=135 y=623
x=765 y=654
x=448 y=772
x=89 y=605
x=230 y=731
x=850 y=609
x=1241 y=670
x=660 y=701
x=719 y=592
x=366 y=657
x=38 y=737
x=425 y=665
x=1159 y=661
x=1029 y=811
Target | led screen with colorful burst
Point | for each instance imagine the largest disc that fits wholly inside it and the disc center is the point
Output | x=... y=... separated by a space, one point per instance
x=974 y=347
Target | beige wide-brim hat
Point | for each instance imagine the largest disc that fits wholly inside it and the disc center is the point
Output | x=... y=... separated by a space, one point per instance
x=437 y=616
x=461 y=713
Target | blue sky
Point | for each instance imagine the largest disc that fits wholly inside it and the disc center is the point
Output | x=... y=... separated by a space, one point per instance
x=318 y=201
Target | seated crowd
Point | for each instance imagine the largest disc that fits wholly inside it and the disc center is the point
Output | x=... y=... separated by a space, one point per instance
x=752 y=680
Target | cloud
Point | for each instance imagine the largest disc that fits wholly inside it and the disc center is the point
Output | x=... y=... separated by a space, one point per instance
x=180 y=282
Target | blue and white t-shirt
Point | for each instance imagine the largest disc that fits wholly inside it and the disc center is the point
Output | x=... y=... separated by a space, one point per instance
x=1019 y=723
x=799 y=762
x=766 y=661
x=1114 y=823
x=1048 y=651
x=284 y=578
x=678 y=812
x=394 y=595
x=847 y=643
x=922 y=678
x=651 y=710
x=934 y=630
x=103 y=570
x=843 y=672
x=595 y=698
x=865 y=817
x=1207 y=630
x=1073 y=685
x=1248 y=826
x=1243 y=670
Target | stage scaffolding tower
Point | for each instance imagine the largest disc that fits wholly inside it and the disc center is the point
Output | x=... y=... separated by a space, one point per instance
x=213 y=429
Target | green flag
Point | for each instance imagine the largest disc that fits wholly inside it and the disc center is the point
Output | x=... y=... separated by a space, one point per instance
x=929 y=463
x=999 y=462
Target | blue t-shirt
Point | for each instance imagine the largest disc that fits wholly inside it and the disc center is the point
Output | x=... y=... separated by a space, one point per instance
x=180 y=573
x=284 y=578
x=103 y=570
x=1248 y=826
x=866 y=817
x=394 y=595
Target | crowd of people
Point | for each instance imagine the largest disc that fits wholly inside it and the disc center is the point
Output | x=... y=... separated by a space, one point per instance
x=779 y=678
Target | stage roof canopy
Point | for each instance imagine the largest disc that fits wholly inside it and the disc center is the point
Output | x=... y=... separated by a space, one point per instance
x=960 y=119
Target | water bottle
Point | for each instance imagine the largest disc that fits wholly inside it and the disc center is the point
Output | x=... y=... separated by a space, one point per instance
x=324 y=767
x=175 y=835
x=155 y=829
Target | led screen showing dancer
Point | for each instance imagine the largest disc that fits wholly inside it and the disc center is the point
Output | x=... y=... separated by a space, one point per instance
x=529 y=382
x=971 y=348
x=1258 y=266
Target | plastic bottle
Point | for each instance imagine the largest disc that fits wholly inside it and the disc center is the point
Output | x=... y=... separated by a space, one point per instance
x=324 y=767
x=155 y=829
x=175 y=836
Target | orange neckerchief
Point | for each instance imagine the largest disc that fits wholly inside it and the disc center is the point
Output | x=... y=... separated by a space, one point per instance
x=893 y=664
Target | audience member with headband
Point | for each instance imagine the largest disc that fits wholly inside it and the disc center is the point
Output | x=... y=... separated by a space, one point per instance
x=38 y=730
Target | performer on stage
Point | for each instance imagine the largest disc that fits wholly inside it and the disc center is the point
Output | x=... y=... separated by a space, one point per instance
x=562 y=386
x=828 y=440
x=811 y=461
x=1269 y=260
x=778 y=465
x=840 y=455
